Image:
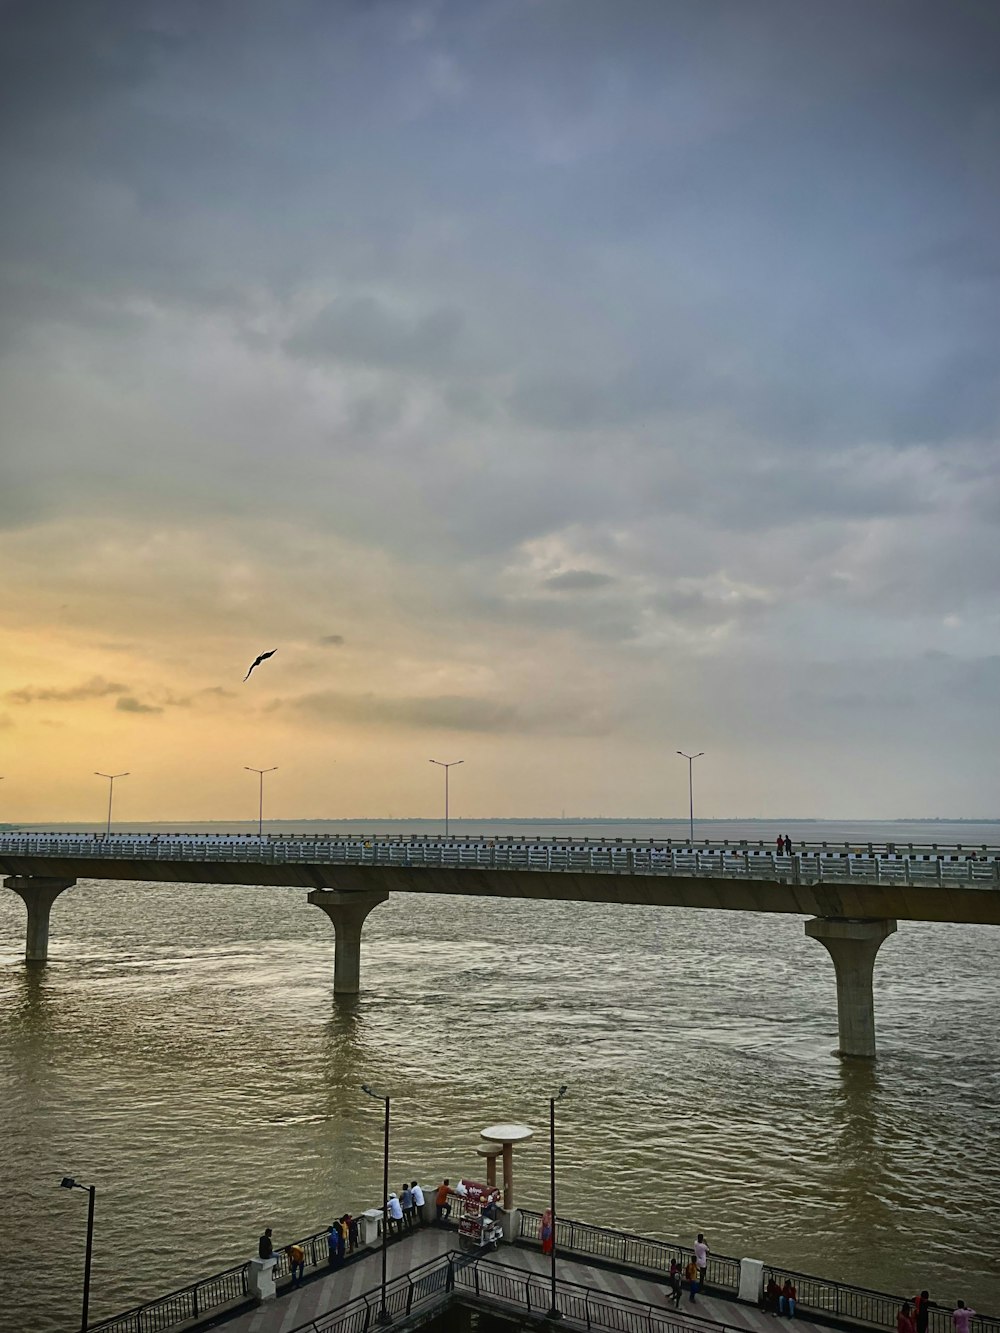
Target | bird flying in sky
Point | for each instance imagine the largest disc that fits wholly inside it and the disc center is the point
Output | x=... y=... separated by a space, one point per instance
x=256 y=663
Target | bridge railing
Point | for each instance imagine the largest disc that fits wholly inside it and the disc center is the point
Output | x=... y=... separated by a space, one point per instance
x=816 y=1295
x=808 y=865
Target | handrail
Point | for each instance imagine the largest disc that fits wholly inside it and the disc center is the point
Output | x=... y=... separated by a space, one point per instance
x=811 y=864
x=815 y=1294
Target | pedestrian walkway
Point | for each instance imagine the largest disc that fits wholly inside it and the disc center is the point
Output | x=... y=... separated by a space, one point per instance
x=324 y=1295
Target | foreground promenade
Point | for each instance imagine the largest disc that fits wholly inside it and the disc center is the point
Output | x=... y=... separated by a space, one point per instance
x=324 y=1296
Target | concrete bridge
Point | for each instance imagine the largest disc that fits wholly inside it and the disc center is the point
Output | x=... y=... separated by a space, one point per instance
x=853 y=896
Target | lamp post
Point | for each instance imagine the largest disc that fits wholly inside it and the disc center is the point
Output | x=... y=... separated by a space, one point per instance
x=454 y=764
x=111 y=791
x=691 y=758
x=384 y=1316
x=260 y=806
x=68 y=1183
x=554 y=1311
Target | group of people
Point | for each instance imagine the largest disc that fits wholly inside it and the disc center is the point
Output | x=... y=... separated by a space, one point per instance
x=783 y=845
x=692 y=1275
x=406 y=1209
x=914 y=1316
x=780 y=1298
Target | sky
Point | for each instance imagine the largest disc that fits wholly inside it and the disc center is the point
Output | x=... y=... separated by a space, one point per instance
x=556 y=385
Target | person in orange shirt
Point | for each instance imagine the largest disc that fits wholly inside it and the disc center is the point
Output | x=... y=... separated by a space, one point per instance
x=441 y=1201
x=296 y=1262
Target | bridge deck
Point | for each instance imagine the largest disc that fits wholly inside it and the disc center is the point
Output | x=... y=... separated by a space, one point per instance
x=323 y=1296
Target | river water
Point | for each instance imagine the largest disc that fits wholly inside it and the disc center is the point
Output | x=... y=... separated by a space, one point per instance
x=183 y=1050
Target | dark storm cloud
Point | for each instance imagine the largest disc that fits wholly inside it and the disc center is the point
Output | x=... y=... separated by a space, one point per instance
x=127 y=704
x=577 y=580
x=464 y=713
x=96 y=688
x=702 y=297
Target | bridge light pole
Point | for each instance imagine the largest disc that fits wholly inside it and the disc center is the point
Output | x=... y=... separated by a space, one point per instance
x=111 y=791
x=384 y=1316
x=454 y=764
x=691 y=758
x=68 y=1183
x=554 y=1312
x=260 y=805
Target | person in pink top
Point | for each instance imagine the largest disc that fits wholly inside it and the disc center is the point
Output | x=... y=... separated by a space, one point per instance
x=961 y=1317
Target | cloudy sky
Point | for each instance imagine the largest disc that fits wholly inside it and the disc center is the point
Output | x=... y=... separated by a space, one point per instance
x=555 y=384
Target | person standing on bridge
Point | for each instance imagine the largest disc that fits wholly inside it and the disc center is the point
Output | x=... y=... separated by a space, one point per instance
x=961 y=1317
x=788 y=845
x=904 y=1320
x=406 y=1202
x=779 y=844
x=701 y=1259
x=921 y=1311
x=418 y=1202
x=441 y=1202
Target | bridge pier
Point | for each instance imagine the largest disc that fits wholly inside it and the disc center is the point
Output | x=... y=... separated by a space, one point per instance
x=38 y=894
x=853 y=945
x=347 y=909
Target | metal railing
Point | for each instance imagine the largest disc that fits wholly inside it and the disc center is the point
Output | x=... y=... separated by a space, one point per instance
x=814 y=1295
x=422 y=1288
x=631 y=1251
x=809 y=864
x=208 y=1294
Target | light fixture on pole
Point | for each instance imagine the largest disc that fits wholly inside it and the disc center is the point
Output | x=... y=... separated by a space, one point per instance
x=68 y=1183
x=691 y=758
x=554 y=1311
x=111 y=791
x=454 y=764
x=384 y=1316
x=260 y=806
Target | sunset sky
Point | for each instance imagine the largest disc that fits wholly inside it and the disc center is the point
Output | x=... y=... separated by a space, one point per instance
x=555 y=385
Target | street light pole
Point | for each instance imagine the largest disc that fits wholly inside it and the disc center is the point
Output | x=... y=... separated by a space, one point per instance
x=691 y=758
x=260 y=806
x=69 y=1183
x=454 y=764
x=384 y=1316
x=554 y=1311
x=111 y=791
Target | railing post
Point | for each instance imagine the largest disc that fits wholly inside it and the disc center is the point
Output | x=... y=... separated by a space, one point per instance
x=194 y=1301
x=586 y=1307
x=409 y=1293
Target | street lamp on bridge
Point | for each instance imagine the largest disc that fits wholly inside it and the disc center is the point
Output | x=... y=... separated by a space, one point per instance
x=691 y=758
x=554 y=1311
x=260 y=804
x=111 y=791
x=454 y=764
x=68 y=1183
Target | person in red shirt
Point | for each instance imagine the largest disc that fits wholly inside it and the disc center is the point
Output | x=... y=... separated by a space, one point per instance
x=905 y=1322
x=786 y=1301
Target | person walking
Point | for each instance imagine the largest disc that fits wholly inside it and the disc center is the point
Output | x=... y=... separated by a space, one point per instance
x=441 y=1202
x=546 y=1232
x=265 y=1246
x=406 y=1203
x=691 y=1273
x=674 y=1282
x=961 y=1317
x=701 y=1258
x=904 y=1320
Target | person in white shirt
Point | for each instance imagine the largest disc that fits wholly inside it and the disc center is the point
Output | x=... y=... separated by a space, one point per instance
x=701 y=1259
x=418 y=1202
x=395 y=1213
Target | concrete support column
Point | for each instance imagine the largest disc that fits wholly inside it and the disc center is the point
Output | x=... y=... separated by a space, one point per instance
x=347 y=909
x=853 y=945
x=38 y=894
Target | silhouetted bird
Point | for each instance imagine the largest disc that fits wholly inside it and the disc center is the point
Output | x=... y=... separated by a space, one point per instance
x=263 y=658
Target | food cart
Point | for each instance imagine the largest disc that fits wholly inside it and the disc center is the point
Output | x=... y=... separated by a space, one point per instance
x=478 y=1225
